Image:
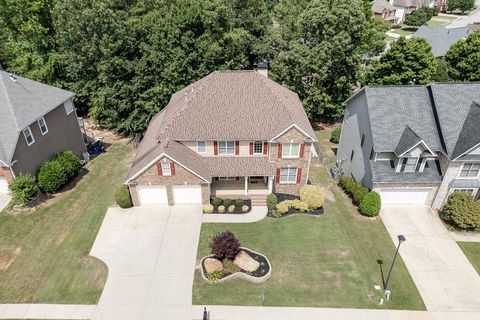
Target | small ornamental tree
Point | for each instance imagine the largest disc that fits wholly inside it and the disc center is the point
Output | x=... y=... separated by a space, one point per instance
x=224 y=245
x=461 y=5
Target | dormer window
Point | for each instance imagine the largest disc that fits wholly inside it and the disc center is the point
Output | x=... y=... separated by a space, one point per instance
x=409 y=164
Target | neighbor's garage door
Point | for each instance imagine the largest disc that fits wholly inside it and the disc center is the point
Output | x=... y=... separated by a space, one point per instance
x=3 y=185
x=187 y=194
x=152 y=195
x=405 y=196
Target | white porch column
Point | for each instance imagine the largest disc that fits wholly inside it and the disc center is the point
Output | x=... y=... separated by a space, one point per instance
x=270 y=184
x=246 y=185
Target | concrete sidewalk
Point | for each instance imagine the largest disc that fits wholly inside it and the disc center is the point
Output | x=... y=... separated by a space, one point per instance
x=465 y=236
x=46 y=311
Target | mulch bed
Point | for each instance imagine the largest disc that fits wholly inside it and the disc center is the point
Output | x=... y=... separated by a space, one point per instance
x=260 y=272
x=283 y=196
x=238 y=209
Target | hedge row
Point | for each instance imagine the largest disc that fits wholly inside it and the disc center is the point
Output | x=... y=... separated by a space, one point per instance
x=463 y=211
x=55 y=173
x=368 y=202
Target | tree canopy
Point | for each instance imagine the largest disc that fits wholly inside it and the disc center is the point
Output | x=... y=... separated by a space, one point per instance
x=461 y=5
x=463 y=59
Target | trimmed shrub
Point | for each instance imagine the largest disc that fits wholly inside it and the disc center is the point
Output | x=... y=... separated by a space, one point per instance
x=370 y=205
x=462 y=210
x=245 y=208
x=51 y=176
x=300 y=206
x=227 y=202
x=217 y=201
x=231 y=208
x=24 y=188
x=312 y=196
x=123 y=198
x=208 y=208
x=335 y=135
x=70 y=163
x=224 y=245
x=221 y=209
x=354 y=189
x=239 y=202
x=282 y=207
x=271 y=201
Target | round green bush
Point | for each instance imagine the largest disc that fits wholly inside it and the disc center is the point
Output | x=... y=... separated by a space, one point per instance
x=312 y=196
x=52 y=176
x=24 y=188
x=123 y=198
x=226 y=202
x=207 y=208
x=217 y=201
x=462 y=210
x=358 y=192
x=239 y=202
x=370 y=205
x=70 y=163
x=335 y=135
x=271 y=201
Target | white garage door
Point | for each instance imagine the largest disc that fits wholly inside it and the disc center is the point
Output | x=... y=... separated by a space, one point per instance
x=152 y=195
x=3 y=185
x=404 y=196
x=187 y=194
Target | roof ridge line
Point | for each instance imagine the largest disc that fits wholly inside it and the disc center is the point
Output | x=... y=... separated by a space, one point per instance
x=276 y=96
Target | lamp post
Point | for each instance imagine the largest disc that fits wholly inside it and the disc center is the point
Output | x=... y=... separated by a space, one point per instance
x=401 y=239
x=205 y=314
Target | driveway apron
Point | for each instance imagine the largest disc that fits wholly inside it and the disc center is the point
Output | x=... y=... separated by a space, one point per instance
x=444 y=277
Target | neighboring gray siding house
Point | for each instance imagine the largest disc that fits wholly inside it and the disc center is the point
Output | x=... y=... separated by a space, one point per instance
x=441 y=38
x=413 y=144
x=37 y=121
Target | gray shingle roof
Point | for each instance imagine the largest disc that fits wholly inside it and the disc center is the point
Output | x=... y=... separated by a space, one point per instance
x=465 y=183
x=23 y=101
x=408 y=140
x=469 y=136
x=382 y=172
x=391 y=108
x=441 y=38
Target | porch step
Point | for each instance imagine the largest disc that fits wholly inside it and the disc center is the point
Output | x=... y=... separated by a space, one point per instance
x=258 y=200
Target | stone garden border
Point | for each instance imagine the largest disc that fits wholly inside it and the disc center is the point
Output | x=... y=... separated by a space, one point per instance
x=240 y=274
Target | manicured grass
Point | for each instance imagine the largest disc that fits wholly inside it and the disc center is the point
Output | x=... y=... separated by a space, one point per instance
x=326 y=261
x=472 y=251
x=436 y=23
x=53 y=265
x=402 y=32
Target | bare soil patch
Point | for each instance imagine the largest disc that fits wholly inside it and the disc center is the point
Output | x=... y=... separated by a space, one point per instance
x=7 y=259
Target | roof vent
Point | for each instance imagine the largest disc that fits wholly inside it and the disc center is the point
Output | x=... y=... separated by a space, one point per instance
x=13 y=78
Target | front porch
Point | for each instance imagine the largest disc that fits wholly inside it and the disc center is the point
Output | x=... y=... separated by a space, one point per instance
x=241 y=186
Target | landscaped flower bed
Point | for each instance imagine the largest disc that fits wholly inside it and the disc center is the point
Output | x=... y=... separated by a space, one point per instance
x=310 y=202
x=230 y=261
x=228 y=206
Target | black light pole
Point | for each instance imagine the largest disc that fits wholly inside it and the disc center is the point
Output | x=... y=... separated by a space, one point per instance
x=401 y=239
x=205 y=314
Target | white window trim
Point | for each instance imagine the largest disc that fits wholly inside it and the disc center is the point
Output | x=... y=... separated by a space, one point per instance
x=205 y=144
x=40 y=126
x=400 y=164
x=31 y=135
x=258 y=153
x=474 y=193
x=289 y=169
x=226 y=178
x=226 y=147
x=70 y=102
x=291 y=156
x=167 y=172
x=459 y=175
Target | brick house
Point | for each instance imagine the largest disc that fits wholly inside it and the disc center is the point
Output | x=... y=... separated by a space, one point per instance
x=232 y=134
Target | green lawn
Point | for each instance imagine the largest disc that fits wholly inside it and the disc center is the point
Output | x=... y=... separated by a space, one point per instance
x=327 y=261
x=53 y=265
x=436 y=23
x=472 y=251
x=402 y=32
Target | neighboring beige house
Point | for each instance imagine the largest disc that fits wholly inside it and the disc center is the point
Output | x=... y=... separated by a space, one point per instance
x=413 y=144
x=232 y=134
x=384 y=10
x=36 y=122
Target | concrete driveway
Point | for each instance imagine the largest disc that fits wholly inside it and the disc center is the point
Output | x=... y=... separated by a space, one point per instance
x=4 y=200
x=150 y=252
x=444 y=277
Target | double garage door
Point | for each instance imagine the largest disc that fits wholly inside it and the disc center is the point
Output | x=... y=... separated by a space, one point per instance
x=158 y=195
x=405 y=196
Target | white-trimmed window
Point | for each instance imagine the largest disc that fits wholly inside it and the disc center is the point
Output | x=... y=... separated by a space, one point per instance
x=226 y=178
x=470 y=170
x=166 y=168
x=409 y=164
x=290 y=150
x=68 y=105
x=258 y=147
x=27 y=133
x=42 y=125
x=473 y=192
x=288 y=175
x=226 y=147
x=201 y=146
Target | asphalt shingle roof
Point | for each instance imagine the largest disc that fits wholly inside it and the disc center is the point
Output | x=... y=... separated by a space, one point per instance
x=441 y=38
x=382 y=172
x=407 y=141
x=469 y=136
x=379 y=5
x=23 y=101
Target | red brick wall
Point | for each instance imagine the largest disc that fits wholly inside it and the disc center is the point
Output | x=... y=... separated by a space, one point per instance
x=6 y=173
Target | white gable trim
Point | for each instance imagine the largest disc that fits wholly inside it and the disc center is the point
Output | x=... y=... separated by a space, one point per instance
x=468 y=151
x=290 y=127
x=158 y=158
x=421 y=142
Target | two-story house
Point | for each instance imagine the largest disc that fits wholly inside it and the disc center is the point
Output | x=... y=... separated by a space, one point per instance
x=413 y=144
x=36 y=122
x=231 y=134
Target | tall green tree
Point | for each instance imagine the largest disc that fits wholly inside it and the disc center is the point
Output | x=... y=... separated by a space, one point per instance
x=463 y=59
x=461 y=5
x=409 y=61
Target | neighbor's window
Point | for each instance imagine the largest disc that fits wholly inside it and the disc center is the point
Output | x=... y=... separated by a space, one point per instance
x=166 y=169
x=258 y=147
x=68 y=105
x=288 y=175
x=290 y=150
x=470 y=170
x=27 y=133
x=226 y=147
x=201 y=146
x=42 y=125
